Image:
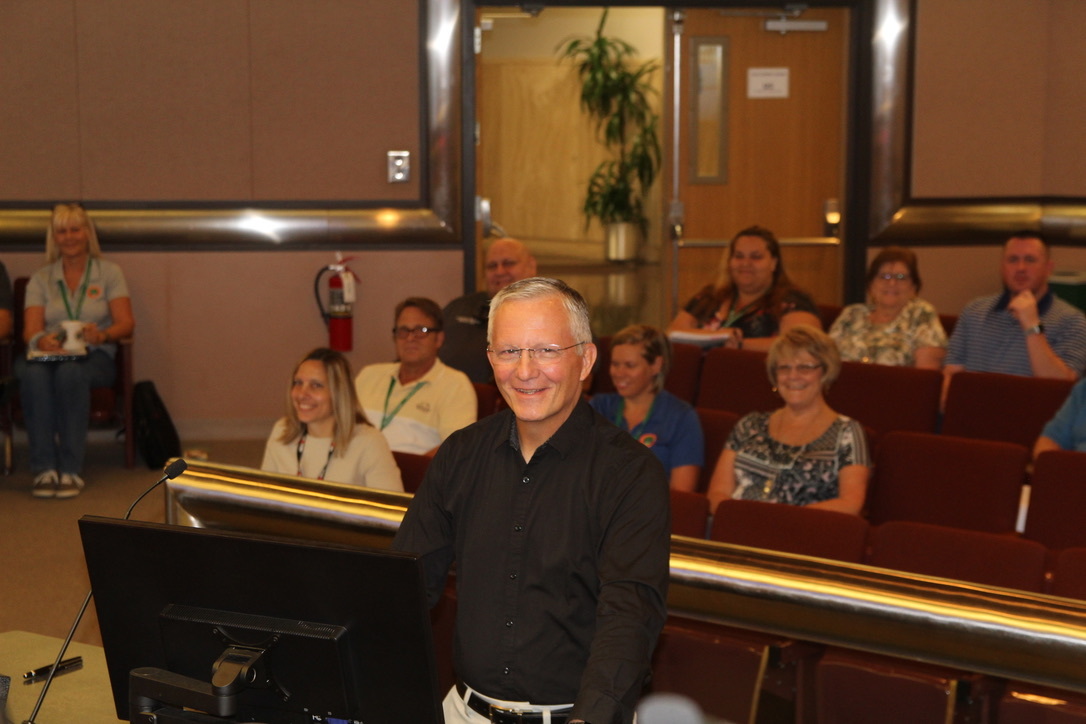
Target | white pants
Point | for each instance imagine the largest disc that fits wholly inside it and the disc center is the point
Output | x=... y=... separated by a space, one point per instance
x=458 y=712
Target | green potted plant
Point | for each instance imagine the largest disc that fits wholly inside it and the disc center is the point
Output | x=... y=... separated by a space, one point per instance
x=617 y=94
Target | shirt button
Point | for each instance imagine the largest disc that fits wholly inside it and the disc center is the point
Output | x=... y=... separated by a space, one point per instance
x=513 y=576
x=518 y=528
x=525 y=479
x=509 y=624
x=505 y=670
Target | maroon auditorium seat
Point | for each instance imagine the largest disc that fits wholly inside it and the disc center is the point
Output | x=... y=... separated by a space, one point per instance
x=945 y=480
x=1024 y=703
x=791 y=529
x=913 y=691
x=487 y=398
x=887 y=398
x=1058 y=485
x=716 y=425
x=1011 y=408
x=964 y=555
x=412 y=469
x=689 y=513
x=735 y=380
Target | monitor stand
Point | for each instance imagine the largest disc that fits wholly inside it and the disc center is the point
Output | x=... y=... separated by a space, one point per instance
x=154 y=694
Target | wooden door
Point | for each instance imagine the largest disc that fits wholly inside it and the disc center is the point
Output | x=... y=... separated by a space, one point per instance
x=784 y=155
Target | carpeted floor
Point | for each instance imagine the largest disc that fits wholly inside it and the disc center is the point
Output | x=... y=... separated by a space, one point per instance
x=43 y=579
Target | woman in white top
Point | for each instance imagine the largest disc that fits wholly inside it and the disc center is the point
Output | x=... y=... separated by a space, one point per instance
x=324 y=435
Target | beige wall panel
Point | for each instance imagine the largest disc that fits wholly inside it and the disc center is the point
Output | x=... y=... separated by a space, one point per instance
x=164 y=99
x=333 y=91
x=1065 y=146
x=980 y=98
x=219 y=332
x=39 y=118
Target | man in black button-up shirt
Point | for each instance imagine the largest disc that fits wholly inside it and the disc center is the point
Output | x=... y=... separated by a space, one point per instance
x=558 y=522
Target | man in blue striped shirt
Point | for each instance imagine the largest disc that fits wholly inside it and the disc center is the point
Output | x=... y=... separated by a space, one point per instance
x=1025 y=330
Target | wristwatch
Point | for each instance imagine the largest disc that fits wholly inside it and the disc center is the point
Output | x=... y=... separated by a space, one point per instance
x=1036 y=329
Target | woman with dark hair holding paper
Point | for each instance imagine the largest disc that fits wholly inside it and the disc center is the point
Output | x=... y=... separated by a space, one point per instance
x=752 y=299
x=76 y=309
x=325 y=435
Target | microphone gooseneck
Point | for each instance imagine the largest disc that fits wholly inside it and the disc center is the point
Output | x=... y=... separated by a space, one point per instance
x=171 y=471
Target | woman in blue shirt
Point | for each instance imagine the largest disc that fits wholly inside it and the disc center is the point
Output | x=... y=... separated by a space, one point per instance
x=640 y=356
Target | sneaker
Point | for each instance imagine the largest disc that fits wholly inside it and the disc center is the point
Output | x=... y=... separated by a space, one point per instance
x=70 y=485
x=45 y=484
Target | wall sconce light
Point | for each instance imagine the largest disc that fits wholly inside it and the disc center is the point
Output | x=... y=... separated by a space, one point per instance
x=831 y=218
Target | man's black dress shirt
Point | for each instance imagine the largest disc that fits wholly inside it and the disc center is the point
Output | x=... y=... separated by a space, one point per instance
x=561 y=563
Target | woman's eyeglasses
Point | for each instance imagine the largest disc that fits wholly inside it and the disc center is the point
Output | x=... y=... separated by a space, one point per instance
x=894 y=277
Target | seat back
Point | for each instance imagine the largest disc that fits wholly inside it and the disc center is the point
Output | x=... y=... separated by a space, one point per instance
x=689 y=514
x=944 y=480
x=486 y=398
x=887 y=398
x=735 y=380
x=1058 y=487
x=412 y=469
x=791 y=529
x=716 y=425
x=991 y=406
x=829 y=313
x=963 y=555
x=1069 y=573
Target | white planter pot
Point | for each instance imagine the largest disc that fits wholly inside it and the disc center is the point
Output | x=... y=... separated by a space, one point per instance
x=623 y=242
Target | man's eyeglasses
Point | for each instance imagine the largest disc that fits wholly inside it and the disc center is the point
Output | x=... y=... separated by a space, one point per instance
x=541 y=355
x=804 y=368
x=409 y=332
x=894 y=277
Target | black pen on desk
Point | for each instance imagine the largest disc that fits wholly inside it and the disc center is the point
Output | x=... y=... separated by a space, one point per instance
x=61 y=667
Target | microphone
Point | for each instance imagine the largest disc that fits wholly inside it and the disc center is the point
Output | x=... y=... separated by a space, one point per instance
x=170 y=472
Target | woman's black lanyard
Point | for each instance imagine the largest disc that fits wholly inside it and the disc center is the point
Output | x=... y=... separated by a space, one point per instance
x=82 y=293
x=301 y=449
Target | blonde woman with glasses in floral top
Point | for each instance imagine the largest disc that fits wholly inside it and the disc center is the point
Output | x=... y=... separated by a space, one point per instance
x=803 y=453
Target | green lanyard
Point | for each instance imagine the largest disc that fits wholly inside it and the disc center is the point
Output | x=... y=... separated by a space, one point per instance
x=82 y=293
x=641 y=425
x=734 y=315
x=387 y=416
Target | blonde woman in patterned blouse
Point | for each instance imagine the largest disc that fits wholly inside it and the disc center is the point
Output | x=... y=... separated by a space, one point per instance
x=803 y=453
x=894 y=327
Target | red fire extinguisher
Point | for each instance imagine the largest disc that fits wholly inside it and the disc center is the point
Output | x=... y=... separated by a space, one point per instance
x=338 y=316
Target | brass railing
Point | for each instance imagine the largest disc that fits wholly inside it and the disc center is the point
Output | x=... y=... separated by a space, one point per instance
x=1028 y=637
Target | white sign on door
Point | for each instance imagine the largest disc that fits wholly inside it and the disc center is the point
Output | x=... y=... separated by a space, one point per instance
x=767 y=82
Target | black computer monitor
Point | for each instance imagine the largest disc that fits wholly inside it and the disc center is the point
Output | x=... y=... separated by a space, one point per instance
x=259 y=629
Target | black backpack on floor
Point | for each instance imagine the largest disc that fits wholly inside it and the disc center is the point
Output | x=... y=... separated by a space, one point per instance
x=156 y=437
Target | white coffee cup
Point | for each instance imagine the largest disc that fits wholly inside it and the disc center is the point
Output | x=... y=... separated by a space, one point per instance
x=73 y=336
